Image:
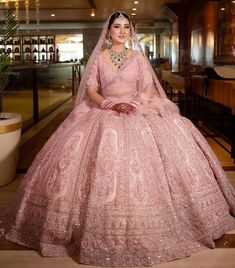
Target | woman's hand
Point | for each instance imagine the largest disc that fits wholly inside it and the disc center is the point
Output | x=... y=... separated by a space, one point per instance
x=123 y=107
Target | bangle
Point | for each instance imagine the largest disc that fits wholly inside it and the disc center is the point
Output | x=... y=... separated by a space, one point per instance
x=135 y=103
x=106 y=104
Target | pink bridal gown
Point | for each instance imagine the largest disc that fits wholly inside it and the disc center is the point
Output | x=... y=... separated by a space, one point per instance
x=127 y=190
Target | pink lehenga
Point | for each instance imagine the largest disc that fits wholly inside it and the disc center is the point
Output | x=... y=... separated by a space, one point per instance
x=127 y=190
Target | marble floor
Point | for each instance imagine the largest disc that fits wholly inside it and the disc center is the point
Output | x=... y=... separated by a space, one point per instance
x=24 y=100
x=15 y=256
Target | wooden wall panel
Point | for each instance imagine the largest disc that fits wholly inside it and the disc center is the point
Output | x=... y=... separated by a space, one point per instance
x=206 y=33
x=202 y=29
x=225 y=45
x=223 y=92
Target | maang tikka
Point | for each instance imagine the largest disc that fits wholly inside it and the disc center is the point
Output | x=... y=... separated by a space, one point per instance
x=121 y=16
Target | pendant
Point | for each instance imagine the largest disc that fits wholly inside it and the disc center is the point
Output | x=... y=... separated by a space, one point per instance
x=118 y=58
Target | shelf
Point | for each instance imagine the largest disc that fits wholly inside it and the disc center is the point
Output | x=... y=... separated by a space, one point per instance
x=31 y=42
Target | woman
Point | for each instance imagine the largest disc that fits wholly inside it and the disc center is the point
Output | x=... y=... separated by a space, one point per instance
x=125 y=180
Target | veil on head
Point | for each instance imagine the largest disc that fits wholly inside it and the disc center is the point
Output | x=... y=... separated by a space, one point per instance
x=98 y=50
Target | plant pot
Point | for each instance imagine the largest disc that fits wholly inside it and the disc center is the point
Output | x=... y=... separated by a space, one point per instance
x=10 y=133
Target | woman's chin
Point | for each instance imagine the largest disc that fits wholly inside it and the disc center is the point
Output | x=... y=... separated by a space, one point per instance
x=119 y=42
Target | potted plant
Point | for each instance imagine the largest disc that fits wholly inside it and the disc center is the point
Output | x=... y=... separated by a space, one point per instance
x=10 y=123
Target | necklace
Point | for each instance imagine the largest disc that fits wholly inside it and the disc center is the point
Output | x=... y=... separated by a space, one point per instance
x=118 y=58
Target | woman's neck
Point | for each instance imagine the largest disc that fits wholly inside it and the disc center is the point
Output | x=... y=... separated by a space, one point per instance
x=118 y=47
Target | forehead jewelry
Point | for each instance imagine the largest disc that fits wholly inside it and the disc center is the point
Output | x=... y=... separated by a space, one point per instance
x=121 y=16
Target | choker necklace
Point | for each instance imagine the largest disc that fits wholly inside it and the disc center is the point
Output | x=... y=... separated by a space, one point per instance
x=118 y=58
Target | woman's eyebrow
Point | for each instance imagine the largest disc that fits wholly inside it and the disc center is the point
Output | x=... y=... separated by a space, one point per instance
x=121 y=24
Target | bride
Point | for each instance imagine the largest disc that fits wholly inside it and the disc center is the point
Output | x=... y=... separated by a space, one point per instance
x=125 y=180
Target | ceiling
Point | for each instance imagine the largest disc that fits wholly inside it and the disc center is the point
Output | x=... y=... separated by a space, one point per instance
x=79 y=10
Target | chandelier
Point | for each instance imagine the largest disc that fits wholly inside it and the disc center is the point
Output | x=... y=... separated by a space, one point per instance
x=15 y=4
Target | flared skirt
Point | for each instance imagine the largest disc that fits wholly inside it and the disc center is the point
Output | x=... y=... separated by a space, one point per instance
x=127 y=190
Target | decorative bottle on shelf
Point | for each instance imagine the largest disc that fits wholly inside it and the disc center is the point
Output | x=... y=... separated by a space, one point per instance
x=51 y=49
x=27 y=41
x=17 y=50
x=57 y=54
x=42 y=41
x=17 y=57
x=35 y=50
x=9 y=42
x=43 y=50
x=17 y=42
x=51 y=40
x=27 y=57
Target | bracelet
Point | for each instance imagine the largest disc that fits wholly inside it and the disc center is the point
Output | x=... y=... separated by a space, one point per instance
x=106 y=104
x=135 y=103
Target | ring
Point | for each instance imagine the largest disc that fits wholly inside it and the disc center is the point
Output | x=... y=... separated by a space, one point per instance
x=122 y=106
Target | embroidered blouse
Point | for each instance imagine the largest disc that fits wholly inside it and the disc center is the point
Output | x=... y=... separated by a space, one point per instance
x=130 y=76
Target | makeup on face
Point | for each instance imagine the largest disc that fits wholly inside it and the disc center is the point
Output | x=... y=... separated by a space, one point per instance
x=120 y=31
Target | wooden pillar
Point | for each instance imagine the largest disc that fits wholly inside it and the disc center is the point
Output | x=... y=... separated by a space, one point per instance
x=177 y=14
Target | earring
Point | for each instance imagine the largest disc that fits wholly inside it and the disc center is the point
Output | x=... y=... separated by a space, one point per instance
x=130 y=42
x=108 y=41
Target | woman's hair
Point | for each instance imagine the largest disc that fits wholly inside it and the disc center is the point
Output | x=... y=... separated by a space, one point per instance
x=116 y=15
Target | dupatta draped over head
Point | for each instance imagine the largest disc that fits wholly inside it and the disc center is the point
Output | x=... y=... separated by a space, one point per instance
x=159 y=99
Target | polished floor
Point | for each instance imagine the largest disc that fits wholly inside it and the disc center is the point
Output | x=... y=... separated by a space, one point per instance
x=24 y=99
x=15 y=256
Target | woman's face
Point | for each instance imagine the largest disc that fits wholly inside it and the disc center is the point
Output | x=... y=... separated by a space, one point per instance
x=120 y=31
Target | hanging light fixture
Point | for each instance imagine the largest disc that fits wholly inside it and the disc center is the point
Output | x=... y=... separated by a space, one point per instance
x=17 y=11
x=27 y=15
x=37 y=5
x=7 y=4
x=92 y=13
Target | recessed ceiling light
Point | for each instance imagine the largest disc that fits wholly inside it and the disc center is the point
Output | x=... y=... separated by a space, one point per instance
x=52 y=15
x=134 y=8
x=136 y=2
x=222 y=8
x=133 y=14
x=233 y=2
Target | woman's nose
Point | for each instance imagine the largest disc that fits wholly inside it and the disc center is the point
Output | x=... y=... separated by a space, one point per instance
x=122 y=30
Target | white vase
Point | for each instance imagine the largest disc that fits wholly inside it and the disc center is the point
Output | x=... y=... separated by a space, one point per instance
x=10 y=133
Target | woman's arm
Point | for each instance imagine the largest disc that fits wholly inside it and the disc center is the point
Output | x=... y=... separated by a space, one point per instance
x=93 y=95
x=104 y=103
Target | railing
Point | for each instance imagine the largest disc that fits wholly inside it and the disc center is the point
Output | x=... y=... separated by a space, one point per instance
x=210 y=102
x=214 y=105
x=38 y=89
x=175 y=87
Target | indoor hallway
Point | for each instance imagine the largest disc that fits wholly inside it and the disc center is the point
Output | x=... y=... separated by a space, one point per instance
x=15 y=256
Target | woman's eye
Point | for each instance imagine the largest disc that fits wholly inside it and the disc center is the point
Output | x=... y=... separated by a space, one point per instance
x=118 y=27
